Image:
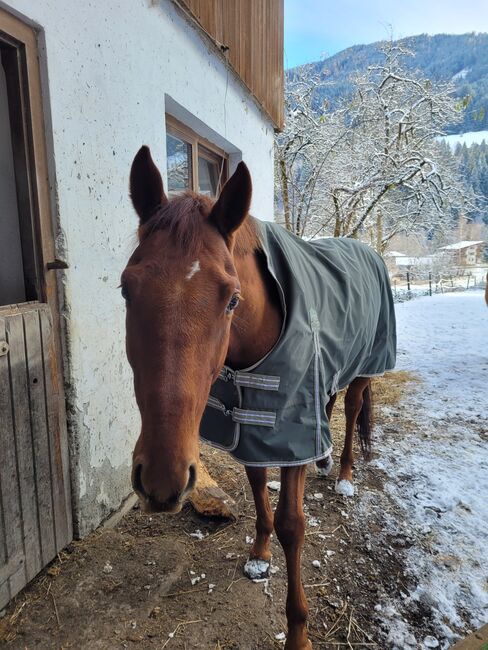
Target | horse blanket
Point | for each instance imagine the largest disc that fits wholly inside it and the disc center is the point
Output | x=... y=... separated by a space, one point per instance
x=339 y=324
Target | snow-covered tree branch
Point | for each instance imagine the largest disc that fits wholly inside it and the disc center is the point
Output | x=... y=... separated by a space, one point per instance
x=372 y=167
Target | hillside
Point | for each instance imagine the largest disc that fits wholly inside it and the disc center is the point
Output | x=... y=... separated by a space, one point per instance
x=460 y=58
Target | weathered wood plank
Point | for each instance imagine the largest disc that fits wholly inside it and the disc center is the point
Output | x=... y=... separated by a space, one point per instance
x=4 y=585
x=11 y=567
x=4 y=594
x=40 y=438
x=59 y=460
x=23 y=444
x=253 y=32
x=9 y=479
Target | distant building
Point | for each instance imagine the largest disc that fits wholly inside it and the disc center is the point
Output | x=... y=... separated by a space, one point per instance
x=399 y=263
x=466 y=253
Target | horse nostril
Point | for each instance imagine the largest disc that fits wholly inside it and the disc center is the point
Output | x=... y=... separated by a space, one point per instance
x=137 y=481
x=192 y=478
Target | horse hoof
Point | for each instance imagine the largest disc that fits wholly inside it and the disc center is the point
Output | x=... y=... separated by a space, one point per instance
x=256 y=569
x=344 y=487
x=327 y=468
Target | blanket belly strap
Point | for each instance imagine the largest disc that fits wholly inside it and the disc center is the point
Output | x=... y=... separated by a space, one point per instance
x=244 y=416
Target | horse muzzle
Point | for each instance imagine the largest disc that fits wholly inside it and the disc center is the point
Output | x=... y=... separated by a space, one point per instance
x=153 y=501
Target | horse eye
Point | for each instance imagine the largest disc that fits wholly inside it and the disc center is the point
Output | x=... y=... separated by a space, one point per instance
x=125 y=292
x=234 y=301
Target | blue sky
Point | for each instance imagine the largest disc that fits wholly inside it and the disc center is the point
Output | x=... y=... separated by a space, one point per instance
x=317 y=28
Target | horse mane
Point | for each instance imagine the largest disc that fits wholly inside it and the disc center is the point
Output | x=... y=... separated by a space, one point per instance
x=184 y=215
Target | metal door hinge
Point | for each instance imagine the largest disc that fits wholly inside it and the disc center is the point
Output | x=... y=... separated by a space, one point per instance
x=57 y=264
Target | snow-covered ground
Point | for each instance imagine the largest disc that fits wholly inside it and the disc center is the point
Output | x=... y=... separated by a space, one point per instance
x=466 y=138
x=438 y=469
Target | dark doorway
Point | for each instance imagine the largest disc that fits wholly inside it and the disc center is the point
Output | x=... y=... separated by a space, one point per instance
x=19 y=275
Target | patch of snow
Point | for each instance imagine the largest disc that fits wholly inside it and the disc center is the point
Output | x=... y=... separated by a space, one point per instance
x=438 y=473
x=469 y=138
x=461 y=74
x=256 y=569
x=265 y=582
x=345 y=488
x=274 y=485
x=108 y=568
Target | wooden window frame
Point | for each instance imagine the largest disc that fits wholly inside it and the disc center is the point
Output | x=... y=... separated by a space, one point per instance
x=199 y=147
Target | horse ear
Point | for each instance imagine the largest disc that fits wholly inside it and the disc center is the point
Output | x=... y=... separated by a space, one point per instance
x=234 y=201
x=146 y=185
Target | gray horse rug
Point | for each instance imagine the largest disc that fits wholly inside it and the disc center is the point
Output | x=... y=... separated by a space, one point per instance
x=339 y=324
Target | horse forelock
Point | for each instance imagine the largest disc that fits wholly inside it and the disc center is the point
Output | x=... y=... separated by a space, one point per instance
x=184 y=218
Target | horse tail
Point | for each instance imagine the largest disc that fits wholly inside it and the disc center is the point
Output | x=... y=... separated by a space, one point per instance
x=364 y=422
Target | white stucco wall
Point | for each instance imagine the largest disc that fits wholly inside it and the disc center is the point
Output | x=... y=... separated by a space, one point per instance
x=113 y=69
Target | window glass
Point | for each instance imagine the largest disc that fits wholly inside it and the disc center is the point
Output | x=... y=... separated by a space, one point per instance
x=179 y=163
x=208 y=176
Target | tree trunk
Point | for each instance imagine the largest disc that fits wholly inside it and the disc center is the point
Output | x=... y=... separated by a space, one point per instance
x=284 y=193
x=379 y=231
x=337 y=226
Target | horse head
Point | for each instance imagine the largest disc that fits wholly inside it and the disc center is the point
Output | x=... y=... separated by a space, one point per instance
x=181 y=290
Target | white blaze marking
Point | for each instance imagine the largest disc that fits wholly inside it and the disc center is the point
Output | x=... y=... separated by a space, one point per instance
x=195 y=267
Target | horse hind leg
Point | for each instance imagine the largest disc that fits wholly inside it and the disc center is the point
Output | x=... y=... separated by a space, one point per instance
x=258 y=564
x=324 y=466
x=356 y=405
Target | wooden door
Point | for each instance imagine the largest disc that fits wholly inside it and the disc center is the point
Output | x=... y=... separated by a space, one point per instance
x=35 y=502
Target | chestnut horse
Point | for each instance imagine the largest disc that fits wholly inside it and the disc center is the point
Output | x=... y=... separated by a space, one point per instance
x=195 y=261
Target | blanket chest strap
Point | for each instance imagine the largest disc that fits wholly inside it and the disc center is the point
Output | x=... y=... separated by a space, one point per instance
x=250 y=380
x=244 y=416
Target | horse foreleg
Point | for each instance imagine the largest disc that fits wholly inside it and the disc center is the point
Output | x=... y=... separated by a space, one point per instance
x=324 y=466
x=260 y=556
x=353 y=403
x=290 y=529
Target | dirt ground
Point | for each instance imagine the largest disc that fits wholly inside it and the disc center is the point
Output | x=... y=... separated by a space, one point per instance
x=177 y=582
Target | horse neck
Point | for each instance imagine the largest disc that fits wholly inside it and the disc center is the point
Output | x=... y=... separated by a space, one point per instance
x=257 y=322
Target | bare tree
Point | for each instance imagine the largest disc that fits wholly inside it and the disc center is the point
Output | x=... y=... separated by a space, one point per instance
x=301 y=152
x=374 y=167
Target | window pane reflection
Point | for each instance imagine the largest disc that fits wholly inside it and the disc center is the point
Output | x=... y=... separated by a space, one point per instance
x=179 y=164
x=208 y=176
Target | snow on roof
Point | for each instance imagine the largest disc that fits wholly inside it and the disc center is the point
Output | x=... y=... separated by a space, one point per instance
x=414 y=261
x=461 y=244
x=394 y=254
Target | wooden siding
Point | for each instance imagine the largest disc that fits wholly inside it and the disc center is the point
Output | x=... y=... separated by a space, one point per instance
x=35 y=509
x=253 y=32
